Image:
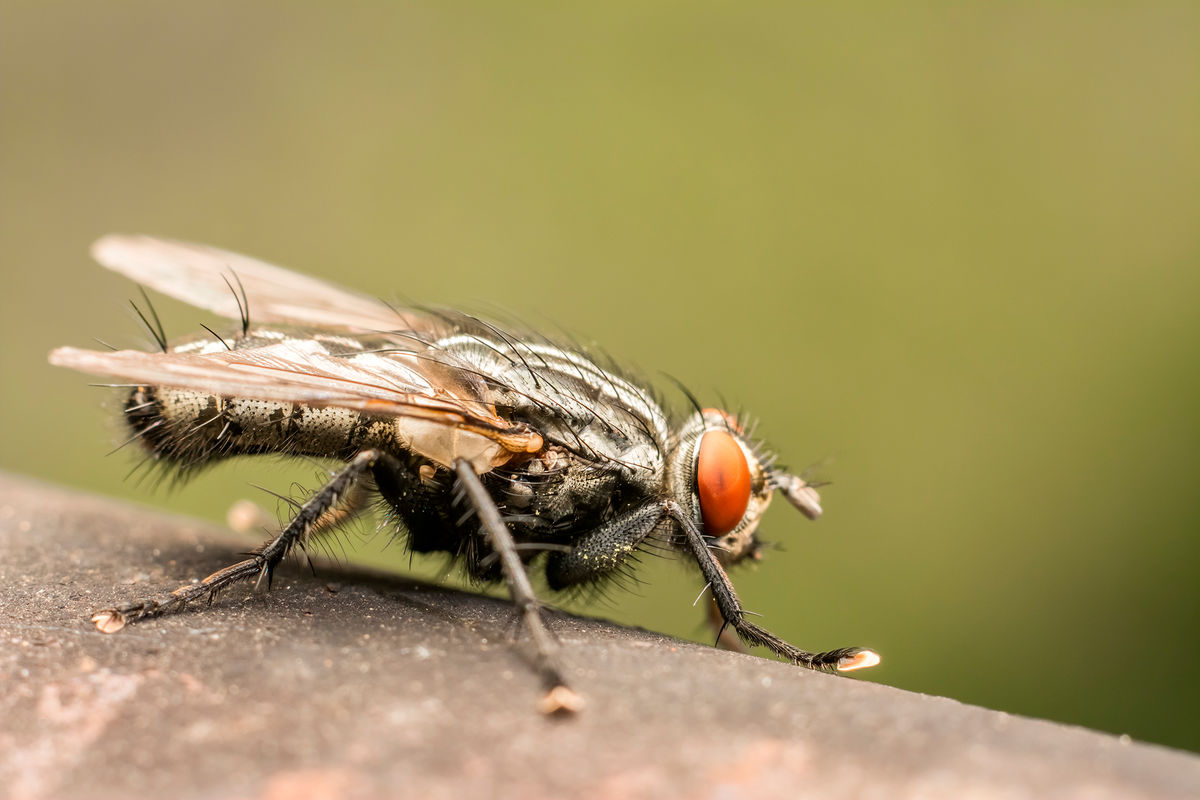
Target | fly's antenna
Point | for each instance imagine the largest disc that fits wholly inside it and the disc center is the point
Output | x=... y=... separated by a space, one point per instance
x=799 y=493
x=156 y=330
x=243 y=302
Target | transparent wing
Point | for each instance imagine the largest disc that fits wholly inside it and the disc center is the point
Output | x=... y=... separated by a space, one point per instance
x=203 y=276
x=439 y=414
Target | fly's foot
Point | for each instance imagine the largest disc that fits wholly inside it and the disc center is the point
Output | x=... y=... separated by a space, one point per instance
x=849 y=659
x=561 y=700
x=111 y=620
x=846 y=659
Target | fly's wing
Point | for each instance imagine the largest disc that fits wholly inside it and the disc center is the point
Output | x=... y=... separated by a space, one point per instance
x=204 y=276
x=440 y=410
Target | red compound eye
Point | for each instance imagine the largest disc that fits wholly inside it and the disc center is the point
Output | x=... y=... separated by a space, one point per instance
x=723 y=482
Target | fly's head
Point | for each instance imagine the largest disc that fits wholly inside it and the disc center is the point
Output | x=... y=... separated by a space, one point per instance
x=717 y=475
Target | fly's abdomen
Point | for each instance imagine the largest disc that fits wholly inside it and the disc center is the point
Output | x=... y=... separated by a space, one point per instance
x=192 y=427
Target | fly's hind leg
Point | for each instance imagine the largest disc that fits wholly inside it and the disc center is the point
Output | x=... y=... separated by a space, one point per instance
x=318 y=513
x=559 y=697
x=246 y=516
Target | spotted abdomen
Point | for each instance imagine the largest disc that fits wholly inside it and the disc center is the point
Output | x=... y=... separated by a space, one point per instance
x=191 y=427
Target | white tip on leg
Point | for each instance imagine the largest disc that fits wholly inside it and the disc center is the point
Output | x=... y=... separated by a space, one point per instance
x=561 y=700
x=860 y=660
x=108 y=621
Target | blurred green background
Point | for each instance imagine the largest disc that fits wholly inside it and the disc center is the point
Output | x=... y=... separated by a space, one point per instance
x=950 y=254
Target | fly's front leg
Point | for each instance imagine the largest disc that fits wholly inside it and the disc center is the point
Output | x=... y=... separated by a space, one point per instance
x=730 y=606
x=559 y=696
x=725 y=638
x=602 y=550
x=312 y=516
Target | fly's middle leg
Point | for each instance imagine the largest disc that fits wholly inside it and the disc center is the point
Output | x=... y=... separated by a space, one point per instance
x=601 y=551
x=559 y=696
x=311 y=517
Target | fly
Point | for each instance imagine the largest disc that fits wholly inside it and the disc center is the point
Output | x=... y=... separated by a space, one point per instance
x=509 y=453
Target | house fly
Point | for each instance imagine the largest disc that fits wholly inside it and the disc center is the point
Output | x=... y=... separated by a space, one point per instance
x=508 y=452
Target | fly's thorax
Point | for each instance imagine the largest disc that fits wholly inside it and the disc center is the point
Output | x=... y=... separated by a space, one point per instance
x=570 y=400
x=716 y=475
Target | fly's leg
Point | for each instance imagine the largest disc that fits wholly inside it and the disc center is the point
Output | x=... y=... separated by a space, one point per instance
x=843 y=660
x=725 y=638
x=245 y=516
x=602 y=550
x=559 y=696
x=311 y=517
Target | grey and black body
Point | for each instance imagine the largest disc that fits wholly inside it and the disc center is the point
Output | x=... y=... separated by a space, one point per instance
x=508 y=452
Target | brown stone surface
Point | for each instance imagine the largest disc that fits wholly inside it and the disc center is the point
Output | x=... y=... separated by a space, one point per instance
x=353 y=685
